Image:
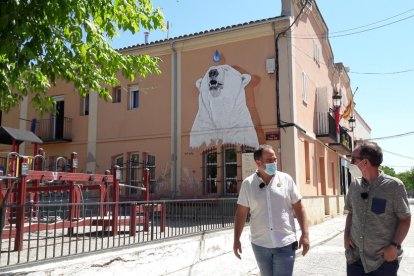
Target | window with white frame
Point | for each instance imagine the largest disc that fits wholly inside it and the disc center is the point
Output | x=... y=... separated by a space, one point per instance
x=133 y=97
x=316 y=52
x=85 y=105
x=304 y=87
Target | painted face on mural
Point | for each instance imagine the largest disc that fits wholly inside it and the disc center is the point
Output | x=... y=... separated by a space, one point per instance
x=216 y=81
x=222 y=114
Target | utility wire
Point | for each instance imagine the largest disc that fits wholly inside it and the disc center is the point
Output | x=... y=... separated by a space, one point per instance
x=383 y=73
x=397 y=166
x=359 y=73
x=373 y=23
x=399 y=155
x=391 y=136
x=348 y=34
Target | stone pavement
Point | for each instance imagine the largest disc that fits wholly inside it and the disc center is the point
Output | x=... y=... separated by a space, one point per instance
x=199 y=255
x=228 y=264
x=211 y=254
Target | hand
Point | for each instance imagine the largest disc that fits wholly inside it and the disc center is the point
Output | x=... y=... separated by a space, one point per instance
x=390 y=253
x=237 y=249
x=348 y=243
x=304 y=240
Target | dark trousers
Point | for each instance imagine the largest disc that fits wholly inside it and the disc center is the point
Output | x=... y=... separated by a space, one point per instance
x=386 y=269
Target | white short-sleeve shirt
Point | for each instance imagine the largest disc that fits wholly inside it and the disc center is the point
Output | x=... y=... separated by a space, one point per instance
x=271 y=208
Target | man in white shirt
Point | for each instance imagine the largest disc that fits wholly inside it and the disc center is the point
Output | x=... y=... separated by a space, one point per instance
x=272 y=198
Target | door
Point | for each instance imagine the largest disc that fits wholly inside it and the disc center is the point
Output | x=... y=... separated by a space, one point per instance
x=322 y=175
x=58 y=118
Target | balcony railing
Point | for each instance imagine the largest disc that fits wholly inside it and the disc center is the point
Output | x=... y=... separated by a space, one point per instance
x=326 y=127
x=326 y=132
x=55 y=129
x=345 y=142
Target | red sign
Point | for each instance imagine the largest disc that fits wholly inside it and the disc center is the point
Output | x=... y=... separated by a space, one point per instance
x=274 y=135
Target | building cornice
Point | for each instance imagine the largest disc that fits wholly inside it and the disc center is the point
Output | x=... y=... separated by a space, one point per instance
x=211 y=38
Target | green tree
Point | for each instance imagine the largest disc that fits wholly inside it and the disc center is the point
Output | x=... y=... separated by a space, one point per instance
x=388 y=170
x=42 y=41
x=408 y=178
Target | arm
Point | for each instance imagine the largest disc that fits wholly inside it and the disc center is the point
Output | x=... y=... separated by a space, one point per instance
x=348 y=243
x=390 y=252
x=402 y=229
x=239 y=221
x=303 y=222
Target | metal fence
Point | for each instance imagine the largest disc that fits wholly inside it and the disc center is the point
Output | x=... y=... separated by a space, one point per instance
x=49 y=233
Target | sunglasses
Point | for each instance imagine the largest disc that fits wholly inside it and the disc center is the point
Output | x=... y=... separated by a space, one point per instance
x=354 y=158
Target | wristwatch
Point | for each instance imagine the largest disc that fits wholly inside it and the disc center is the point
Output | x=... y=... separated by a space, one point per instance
x=398 y=246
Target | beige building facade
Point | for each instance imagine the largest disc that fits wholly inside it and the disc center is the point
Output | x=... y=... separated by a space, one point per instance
x=221 y=93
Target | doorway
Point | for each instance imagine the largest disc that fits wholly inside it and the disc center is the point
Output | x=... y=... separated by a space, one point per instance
x=58 y=118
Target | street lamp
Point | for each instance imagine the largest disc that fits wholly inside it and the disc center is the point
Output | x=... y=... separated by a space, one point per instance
x=351 y=123
x=336 y=100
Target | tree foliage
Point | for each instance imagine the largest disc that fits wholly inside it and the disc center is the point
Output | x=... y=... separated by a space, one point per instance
x=42 y=41
x=408 y=178
x=388 y=170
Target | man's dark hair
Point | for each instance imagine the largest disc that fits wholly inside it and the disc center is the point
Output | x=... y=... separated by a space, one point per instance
x=258 y=153
x=372 y=152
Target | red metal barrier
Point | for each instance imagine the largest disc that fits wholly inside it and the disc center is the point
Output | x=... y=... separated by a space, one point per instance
x=73 y=183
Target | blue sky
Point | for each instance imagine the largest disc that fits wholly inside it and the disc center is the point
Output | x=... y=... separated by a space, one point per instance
x=385 y=101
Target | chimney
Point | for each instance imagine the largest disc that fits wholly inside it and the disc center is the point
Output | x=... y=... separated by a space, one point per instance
x=146 y=37
x=287 y=7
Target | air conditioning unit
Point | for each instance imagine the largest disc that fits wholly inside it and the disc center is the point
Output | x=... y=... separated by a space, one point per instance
x=270 y=65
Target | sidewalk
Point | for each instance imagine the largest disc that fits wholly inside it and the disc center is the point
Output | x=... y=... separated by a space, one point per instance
x=211 y=254
x=228 y=264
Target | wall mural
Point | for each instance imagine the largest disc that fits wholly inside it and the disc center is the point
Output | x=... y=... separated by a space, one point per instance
x=222 y=111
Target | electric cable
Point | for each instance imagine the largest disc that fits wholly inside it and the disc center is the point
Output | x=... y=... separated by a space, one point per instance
x=397 y=154
x=391 y=136
x=325 y=36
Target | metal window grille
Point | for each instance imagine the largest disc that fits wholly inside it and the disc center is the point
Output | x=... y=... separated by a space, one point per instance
x=230 y=169
x=133 y=173
x=210 y=171
x=150 y=164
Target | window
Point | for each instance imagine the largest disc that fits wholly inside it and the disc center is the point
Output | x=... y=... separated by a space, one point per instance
x=85 y=105
x=133 y=98
x=333 y=178
x=210 y=161
x=119 y=160
x=116 y=94
x=133 y=167
x=151 y=166
x=307 y=163
x=316 y=52
x=229 y=163
x=304 y=87
x=230 y=169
